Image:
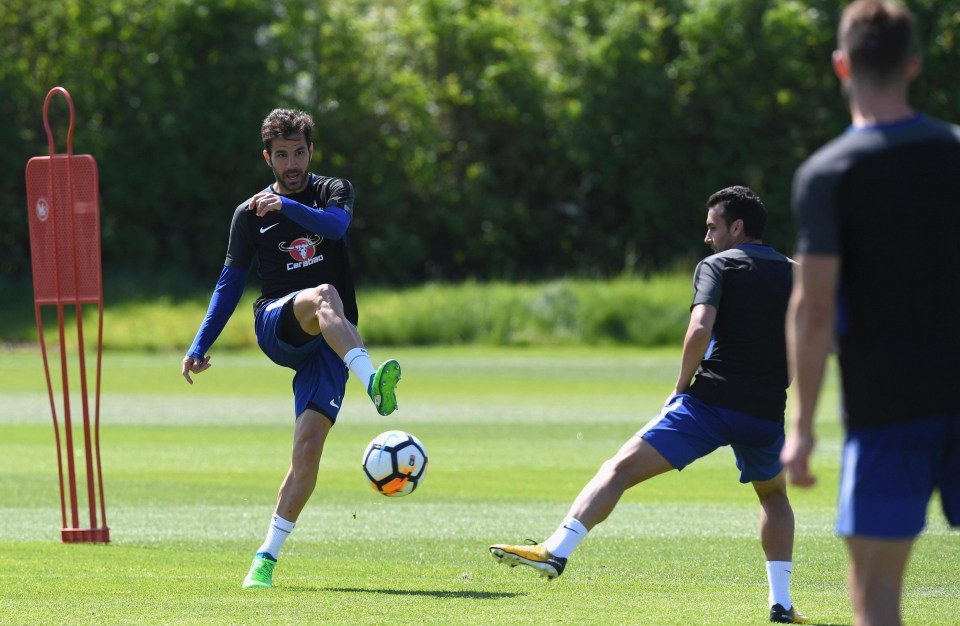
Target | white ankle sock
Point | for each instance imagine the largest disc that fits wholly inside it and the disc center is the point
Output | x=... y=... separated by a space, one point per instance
x=359 y=363
x=278 y=532
x=778 y=576
x=565 y=538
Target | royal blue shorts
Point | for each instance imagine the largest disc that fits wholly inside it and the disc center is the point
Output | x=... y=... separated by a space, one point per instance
x=890 y=473
x=687 y=429
x=321 y=376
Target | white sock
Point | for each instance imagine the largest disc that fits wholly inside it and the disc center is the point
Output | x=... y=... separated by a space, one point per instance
x=778 y=576
x=278 y=532
x=566 y=538
x=358 y=362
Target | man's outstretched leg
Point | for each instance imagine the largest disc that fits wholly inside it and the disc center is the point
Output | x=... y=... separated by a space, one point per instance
x=635 y=462
x=308 y=439
x=320 y=312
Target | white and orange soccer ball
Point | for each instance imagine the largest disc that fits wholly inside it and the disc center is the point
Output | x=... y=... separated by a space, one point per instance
x=394 y=463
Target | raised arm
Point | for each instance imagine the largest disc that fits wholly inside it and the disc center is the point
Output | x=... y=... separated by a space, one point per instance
x=330 y=222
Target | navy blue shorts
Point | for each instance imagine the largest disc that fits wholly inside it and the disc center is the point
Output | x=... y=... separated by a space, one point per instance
x=321 y=376
x=687 y=429
x=890 y=473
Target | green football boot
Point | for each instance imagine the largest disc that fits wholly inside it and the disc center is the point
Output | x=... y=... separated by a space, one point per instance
x=261 y=572
x=383 y=387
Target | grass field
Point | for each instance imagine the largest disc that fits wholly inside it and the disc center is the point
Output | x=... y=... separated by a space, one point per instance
x=191 y=475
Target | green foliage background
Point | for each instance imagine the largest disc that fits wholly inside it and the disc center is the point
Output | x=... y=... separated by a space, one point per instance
x=487 y=139
x=622 y=311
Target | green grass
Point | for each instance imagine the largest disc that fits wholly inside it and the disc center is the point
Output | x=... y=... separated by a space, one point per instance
x=191 y=475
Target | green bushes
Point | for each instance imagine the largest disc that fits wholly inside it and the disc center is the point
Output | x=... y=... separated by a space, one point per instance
x=623 y=311
x=511 y=140
x=619 y=312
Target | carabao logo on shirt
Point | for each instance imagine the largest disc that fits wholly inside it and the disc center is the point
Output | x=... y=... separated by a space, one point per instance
x=303 y=250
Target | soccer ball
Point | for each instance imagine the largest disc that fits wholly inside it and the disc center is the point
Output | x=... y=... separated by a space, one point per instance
x=395 y=462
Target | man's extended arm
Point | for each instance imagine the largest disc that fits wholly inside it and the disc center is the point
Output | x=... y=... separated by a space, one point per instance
x=810 y=329
x=226 y=296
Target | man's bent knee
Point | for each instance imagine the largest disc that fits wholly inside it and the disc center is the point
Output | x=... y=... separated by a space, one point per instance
x=316 y=301
x=319 y=295
x=776 y=487
x=326 y=294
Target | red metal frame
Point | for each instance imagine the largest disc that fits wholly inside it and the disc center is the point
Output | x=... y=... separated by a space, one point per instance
x=63 y=193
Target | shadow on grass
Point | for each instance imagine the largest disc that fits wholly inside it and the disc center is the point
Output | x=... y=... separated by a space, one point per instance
x=470 y=595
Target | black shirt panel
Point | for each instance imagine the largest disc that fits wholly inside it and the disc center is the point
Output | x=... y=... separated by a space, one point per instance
x=887 y=201
x=290 y=257
x=899 y=348
x=746 y=368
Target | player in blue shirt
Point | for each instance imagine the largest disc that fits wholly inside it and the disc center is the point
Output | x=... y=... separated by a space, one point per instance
x=306 y=316
x=731 y=390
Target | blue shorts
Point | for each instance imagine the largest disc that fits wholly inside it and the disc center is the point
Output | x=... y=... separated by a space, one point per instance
x=321 y=375
x=687 y=429
x=889 y=474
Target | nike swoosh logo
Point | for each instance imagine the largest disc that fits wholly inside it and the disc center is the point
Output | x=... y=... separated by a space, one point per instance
x=570 y=529
x=332 y=403
x=265 y=229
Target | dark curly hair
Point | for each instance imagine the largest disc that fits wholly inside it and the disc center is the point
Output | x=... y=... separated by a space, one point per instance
x=286 y=124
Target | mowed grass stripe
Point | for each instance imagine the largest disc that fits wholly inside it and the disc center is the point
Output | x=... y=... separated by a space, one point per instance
x=368 y=520
x=191 y=475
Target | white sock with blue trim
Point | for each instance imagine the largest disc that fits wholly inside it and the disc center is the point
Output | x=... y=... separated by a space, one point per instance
x=278 y=532
x=358 y=362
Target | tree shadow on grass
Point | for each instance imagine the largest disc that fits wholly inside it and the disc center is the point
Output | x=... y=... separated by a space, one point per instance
x=470 y=595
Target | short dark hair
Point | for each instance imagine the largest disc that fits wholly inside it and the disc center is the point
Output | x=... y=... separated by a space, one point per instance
x=741 y=203
x=286 y=123
x=878 y=38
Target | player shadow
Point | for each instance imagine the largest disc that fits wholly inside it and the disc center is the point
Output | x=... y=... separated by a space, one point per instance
x=470 y=595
